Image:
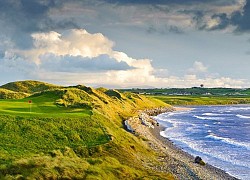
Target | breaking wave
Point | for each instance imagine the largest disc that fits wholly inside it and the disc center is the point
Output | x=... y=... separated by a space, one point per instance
x=208 y=118
x=243 y=116
x=229 y=141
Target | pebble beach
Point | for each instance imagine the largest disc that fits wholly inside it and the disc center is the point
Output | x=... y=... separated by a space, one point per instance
x=172 y=159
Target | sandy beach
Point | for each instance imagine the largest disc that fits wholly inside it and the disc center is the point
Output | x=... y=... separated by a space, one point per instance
x=173 y=159
x=177 y=108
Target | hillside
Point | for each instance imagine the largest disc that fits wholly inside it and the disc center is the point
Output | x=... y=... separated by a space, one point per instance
x=73 y=133
x=28 y=86
x=8 y=94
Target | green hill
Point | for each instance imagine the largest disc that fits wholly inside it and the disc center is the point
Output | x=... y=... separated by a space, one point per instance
x=28 y=86
x=73 y=133
x=8 y=94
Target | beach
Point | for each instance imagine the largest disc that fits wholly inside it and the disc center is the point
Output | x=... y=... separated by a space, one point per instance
x=171 y=158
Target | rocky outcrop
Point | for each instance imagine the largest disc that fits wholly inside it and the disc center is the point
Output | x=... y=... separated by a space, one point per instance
x=145 y=118
x=156 y=111
x=127 y=126
x=146 y=115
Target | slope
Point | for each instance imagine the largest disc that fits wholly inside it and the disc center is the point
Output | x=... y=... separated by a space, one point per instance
x=8 y=94
x=29 y=87
x=74 y=132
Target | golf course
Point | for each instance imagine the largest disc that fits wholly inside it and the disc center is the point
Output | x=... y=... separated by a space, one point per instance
x=54 y=132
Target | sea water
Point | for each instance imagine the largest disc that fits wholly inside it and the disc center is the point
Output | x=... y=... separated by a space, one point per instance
x=218 y=134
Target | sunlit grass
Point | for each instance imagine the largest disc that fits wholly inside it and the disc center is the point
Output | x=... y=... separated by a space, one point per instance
x=74 y=132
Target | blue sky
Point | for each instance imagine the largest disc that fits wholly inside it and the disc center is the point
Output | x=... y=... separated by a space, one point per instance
x=123 y=43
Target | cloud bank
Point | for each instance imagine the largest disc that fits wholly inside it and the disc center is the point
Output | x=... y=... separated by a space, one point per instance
x=79 y=57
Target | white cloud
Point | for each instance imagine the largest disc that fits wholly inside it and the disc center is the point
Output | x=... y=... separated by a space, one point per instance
x=198 y=68
x=79 y=57
x=77 y=51
x=73 y=43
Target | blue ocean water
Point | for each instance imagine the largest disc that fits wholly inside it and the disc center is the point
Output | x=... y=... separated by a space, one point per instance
x=219 y=134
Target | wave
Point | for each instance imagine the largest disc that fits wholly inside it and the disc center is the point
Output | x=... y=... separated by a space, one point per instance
x=242 y=116
x=196 y=147
x=229 y=141
x=239 y=108
x=208 y=118
x=211 y=114
x=170 y=114
x=217 y=123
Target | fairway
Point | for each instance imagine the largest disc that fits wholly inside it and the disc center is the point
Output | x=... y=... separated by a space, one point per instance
x=37 y=124
x=39 y=107
x=74 y=131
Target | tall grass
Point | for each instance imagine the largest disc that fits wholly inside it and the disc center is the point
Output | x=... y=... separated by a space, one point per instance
x=73 y=133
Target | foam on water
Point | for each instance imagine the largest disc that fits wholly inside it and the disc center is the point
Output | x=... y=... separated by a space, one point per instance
x=242 y=116
x=229 y=141
x=220 y=134
x=239 y=108
x=208 y=118
x=210 y=114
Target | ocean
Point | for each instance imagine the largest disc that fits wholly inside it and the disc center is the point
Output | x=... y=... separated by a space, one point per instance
x=220 y=135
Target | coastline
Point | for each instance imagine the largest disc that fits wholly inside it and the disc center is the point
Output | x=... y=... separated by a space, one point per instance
x=172 y=158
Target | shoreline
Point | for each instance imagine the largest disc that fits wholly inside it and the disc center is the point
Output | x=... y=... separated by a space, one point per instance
x=207 y=171
x=172 y=158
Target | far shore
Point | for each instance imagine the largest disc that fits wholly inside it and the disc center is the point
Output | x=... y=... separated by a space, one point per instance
x=182 y=108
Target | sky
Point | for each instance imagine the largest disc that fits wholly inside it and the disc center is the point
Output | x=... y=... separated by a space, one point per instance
x=126 y=43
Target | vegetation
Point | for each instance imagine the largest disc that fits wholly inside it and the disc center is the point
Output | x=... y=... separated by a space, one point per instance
x=28 y=86
x=194 y=91
x=8 y=94
x=203 y=100
x=76 y=132
x=197 y=95
x=72 y=133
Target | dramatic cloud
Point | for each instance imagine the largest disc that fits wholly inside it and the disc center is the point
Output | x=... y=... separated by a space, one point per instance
x=77 y=51
x=241 y=20
x=77 y=43
x=47 y=40
x=73 y=43
x=77 y=56
x=179 y=15
x=19 y=18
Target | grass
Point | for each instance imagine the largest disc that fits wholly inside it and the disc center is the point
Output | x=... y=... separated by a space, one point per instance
x=37 y=108
x=202 y=100
x=22 y=136
x=28 y=86
x=8 y=94
x=195 y=91
x=73 y=133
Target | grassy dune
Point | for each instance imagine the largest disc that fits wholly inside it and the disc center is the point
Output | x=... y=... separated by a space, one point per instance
x=8 y=94
x=73 y=132
x=28 y=86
